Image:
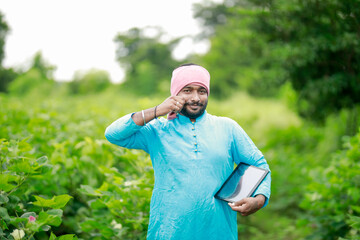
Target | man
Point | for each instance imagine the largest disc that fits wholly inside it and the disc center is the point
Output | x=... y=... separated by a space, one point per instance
x=192 y=153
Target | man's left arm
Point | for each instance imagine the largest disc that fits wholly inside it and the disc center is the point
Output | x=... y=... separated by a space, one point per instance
x=244 y=150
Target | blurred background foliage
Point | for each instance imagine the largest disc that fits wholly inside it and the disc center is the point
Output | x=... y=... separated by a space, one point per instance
x=146 y=60
x=286 y=71
x=92 y=81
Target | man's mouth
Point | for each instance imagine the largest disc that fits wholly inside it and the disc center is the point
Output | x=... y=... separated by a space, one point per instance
x=195 y=106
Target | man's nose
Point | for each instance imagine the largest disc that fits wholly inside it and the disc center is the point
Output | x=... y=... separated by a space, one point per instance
x=195 y=97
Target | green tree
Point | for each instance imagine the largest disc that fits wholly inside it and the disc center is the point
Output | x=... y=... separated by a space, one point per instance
x=4 y=29
x=239 y=57
x=6 y=75
x=46 y=69
x=37 y=78
x=259 y=45
x=31 y=80
x=147 y=61
x=324 y=61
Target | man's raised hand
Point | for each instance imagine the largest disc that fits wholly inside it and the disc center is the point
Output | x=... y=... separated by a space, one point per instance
x=171 y=104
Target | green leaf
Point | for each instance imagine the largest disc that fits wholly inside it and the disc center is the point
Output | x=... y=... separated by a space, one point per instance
x=61 y=200
x=4 y=214
x=54 y=221
x=45 y=168
x=4 y=185
x=90 y=225
x=7 y=187
x=3 y=224
x=22 y=166
x=107 y=232
x=67 y=237
x=88 y=190
x=28 y=214
x=96 y=204
x=52 y=236
x=42 y=160
x=24 y=146
x=355 y=208
x=16 y=220
x=3 y=198
x=55 y=212
x=42 y=202
x=45 y=228
x=55 y=202
x=354 y=222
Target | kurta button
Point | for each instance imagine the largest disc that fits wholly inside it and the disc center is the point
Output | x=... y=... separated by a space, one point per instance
x=194 y=135
x=193 y=128
x=195 y=143
x=195 y=150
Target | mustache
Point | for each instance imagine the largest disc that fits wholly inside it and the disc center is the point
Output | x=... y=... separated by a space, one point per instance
x=194 y=104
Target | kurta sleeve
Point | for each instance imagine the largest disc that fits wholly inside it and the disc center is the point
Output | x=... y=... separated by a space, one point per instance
x=126 y=133
x=244 y=150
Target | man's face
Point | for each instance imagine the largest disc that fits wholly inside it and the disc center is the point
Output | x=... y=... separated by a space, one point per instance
x=196 y=99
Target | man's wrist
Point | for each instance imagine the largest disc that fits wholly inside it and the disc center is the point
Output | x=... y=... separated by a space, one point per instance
x=161 y=111
x=261 y=200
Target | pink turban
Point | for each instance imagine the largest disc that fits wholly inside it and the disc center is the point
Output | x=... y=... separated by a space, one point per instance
x=185 y=75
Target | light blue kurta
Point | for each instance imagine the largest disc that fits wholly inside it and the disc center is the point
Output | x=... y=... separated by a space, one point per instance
x=190 y=161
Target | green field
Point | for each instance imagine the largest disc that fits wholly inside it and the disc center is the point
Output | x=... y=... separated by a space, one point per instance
x=58 y=167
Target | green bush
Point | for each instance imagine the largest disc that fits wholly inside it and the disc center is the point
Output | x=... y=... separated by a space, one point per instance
x=93 y=81
x=19 y=217
x=334 y=193
x=70 y=131
x=119 y=208
x=7 y=75
x=30 y=81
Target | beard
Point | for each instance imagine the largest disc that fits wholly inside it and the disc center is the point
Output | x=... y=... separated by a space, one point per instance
x=193 y=114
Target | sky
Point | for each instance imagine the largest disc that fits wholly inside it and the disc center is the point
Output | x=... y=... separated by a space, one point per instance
x=77 y=35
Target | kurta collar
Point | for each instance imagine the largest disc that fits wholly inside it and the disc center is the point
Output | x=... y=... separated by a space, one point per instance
x=184 y=119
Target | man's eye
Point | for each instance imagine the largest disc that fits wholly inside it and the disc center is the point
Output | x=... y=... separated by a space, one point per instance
x=186 y=90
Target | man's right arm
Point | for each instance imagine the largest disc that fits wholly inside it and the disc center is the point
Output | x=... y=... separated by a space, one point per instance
x=171 y=104
x=128 y=130
x=125 y=133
